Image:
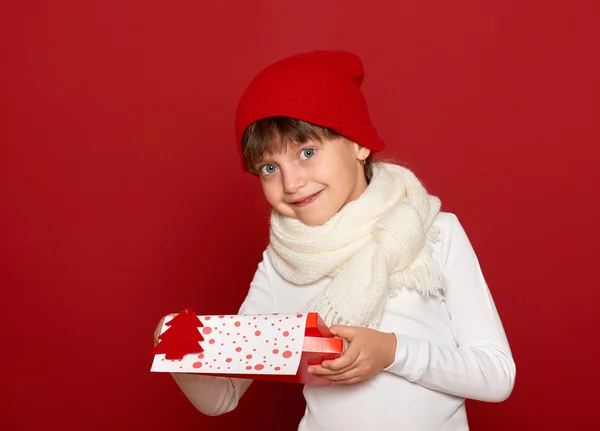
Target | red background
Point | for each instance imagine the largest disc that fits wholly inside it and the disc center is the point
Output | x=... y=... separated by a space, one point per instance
x=122 y=198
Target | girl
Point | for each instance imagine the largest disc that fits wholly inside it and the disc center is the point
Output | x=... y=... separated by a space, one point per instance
x=365 y=246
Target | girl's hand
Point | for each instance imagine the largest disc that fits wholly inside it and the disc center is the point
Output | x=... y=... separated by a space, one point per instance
x=159 y=327
x=369 y=352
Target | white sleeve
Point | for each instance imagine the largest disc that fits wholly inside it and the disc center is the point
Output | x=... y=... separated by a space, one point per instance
x=213 y=395
x=481 y=367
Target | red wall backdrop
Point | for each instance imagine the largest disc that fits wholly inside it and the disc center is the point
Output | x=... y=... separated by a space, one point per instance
x=122 y=198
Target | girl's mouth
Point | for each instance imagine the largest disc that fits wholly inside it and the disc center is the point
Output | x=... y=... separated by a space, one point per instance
x=307 y=200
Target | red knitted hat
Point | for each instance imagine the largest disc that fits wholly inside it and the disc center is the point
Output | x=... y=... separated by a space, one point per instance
x=319 y=87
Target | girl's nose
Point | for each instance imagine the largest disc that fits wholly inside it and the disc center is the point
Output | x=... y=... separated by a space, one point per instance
x=293 y=179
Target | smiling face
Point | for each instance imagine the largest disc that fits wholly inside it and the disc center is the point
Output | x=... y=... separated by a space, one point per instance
x=312 y=181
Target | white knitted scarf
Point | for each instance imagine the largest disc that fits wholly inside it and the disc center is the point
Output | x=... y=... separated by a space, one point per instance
x=373 y=245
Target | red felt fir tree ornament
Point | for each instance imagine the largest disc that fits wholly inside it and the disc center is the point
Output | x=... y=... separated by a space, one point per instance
x=182 y=337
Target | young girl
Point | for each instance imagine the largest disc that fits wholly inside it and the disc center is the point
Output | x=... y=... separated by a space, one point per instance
x=365 y=246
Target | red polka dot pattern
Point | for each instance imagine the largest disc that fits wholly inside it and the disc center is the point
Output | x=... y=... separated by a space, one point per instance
x=238 y=344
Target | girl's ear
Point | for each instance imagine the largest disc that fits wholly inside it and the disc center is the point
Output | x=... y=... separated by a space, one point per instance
x=362 y=153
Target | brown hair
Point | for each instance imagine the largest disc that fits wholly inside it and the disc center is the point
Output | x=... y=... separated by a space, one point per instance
x=276 y=134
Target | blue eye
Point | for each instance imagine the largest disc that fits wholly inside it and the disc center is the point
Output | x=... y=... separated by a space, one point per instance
x=307 y=153
x=267 y=169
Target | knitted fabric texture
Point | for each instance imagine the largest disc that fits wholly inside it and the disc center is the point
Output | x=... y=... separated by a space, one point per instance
x=373 y=245
x=319 y=87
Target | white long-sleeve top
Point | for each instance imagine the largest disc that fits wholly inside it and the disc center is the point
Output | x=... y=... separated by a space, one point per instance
x=449 y=348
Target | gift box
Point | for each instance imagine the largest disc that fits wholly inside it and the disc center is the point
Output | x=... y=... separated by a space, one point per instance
x=277 y=347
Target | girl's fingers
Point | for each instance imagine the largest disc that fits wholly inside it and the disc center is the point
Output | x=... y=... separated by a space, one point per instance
x=322 y=371
x=158 y=329
x=345 y=377
x=347 y=359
